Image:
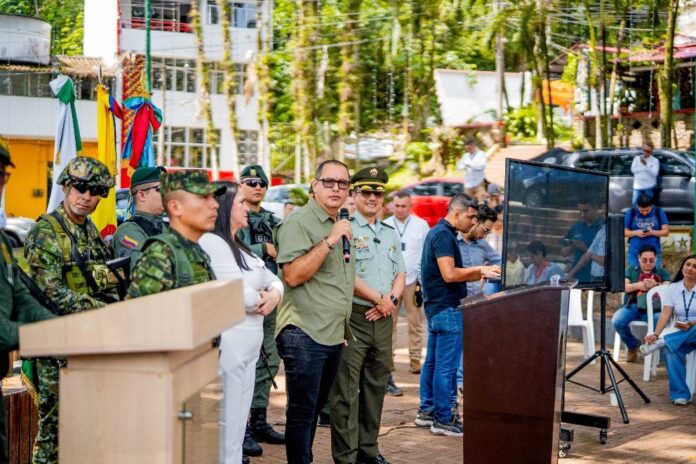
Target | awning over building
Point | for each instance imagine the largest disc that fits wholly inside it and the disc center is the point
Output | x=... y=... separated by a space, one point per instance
x=469 y=98
x=83 y=66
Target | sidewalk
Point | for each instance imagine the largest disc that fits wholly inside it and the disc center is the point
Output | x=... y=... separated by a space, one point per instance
x=659 y=432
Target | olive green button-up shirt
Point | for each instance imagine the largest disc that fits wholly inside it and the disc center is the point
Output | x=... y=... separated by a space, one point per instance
x=378 y=257
x=321 y=306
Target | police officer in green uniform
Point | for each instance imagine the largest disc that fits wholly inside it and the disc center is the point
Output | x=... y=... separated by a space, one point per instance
x=259 y=236
x=147 y=219
x=17 y=306
x=358 y=392
x=174 y=259
x=66 y=258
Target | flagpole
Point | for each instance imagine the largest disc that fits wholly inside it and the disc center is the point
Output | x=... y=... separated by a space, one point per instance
x=148 y=58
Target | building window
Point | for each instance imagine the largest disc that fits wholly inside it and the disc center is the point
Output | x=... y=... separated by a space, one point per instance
x=36 y=84
x=178 y=74
x=243 y=14
x=184 y=146
x=86 y=87
x=168 y=16
x=25 y=83
x=248 y=146
x=217 y=78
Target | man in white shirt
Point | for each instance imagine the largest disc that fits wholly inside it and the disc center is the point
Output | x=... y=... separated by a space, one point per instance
x=412 y=231
x=645 y=169
x=473 y=161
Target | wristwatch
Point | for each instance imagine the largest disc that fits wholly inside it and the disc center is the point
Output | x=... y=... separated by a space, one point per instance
x=394 y=299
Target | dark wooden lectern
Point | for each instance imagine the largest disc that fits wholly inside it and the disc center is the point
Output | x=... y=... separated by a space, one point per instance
x=514 y=358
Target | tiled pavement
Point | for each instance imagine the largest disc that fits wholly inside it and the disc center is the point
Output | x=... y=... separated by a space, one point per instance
x=657 y=433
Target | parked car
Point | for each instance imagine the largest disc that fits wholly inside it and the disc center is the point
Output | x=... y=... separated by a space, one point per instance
x=430 y=197
x=17 y=229
x=677 y=169
x=121 y=205
x=278 y=195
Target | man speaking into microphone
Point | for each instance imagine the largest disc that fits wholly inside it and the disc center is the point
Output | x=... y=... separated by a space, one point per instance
x=313 y=317
x=358 y=393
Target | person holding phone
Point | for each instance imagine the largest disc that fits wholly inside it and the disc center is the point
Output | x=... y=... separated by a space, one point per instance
x=681 y=340
x=645 y=169
x=644 y=225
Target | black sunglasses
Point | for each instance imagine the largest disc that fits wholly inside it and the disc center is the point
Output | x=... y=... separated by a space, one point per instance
x=94 y=190
x=369 y=193
x=253 y=183
x=156 y=187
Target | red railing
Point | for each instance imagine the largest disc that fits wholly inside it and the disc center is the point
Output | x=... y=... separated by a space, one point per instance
x=157 y=25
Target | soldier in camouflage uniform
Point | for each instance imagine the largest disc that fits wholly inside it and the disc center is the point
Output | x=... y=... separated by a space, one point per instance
x=66 y=258
x=259 y=236
x=174 y=259
x=147 y=219
x=17 y=306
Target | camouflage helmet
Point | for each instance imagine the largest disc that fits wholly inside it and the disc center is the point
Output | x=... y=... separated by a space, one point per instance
x=88 y=170
x=190 y=180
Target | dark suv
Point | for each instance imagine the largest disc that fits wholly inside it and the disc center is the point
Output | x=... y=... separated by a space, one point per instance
x=676 y=177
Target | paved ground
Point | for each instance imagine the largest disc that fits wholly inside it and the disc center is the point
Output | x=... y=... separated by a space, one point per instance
x=657 y=433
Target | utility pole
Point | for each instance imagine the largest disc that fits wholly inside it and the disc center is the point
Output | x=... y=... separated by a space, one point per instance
x=148 y=57
x=500 y=71
x=606 y=131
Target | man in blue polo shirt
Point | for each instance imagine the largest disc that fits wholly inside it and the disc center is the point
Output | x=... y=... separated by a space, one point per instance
x=444 y=285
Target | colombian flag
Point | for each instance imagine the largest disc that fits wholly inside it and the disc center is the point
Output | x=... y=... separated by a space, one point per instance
x=107 y=110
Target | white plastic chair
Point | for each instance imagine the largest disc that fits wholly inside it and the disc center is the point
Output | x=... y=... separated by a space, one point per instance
x=653 y=359
x=575 y=319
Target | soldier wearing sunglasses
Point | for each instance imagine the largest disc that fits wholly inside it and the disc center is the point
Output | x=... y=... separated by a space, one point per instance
x=259 y=236
x=147 y=220
x=67 y=260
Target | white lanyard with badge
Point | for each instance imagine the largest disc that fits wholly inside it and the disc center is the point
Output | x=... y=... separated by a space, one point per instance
x=402 y=232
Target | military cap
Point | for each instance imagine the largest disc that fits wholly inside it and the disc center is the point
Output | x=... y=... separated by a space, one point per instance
x=5 y=153
x=371 y=179
x=88 y=170
x=191 y=180
x=493 y=189
x=146 y=175
x=254 y=172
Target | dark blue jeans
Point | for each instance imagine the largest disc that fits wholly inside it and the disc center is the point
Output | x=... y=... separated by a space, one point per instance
x=310 y=369
x=438 y=380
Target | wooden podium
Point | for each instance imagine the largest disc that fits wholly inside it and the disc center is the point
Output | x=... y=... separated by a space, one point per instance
x=514 y=361
x=130 y=368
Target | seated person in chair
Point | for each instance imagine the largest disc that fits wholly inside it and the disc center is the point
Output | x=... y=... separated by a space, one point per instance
x=639 y=280
x=541 y=269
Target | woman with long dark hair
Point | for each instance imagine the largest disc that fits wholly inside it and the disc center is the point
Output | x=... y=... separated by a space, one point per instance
x=680 y=339
x=240 y=345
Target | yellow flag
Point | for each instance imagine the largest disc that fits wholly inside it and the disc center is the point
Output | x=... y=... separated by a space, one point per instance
x=105 y=215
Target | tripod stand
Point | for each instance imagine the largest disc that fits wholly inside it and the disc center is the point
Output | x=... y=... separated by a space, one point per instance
x=606 y=362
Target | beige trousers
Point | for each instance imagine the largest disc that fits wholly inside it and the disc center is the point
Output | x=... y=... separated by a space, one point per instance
x=416 y=325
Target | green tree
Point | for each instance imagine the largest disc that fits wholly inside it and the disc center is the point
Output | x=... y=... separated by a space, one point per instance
x=65 y=16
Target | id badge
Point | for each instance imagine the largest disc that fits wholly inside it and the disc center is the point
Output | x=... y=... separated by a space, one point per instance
x=403 y=246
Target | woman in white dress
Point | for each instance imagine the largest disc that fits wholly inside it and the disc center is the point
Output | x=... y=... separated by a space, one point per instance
x=240 y=346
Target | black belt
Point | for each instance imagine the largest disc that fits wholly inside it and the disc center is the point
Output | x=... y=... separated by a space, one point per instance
x=361 y=309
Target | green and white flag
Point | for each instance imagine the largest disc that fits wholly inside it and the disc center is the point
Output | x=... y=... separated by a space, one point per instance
x=68 y=144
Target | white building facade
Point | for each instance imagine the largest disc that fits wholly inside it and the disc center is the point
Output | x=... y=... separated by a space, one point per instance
x=114 y=28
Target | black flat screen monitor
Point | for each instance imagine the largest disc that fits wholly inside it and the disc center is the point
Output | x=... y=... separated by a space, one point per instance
x=554 y=225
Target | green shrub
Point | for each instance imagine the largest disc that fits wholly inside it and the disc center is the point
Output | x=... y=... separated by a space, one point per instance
x=522 y=122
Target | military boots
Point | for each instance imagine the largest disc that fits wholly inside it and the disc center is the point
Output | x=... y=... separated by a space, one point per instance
x=262 y=430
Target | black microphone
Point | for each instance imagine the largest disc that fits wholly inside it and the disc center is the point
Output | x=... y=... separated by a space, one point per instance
x=343 y=214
